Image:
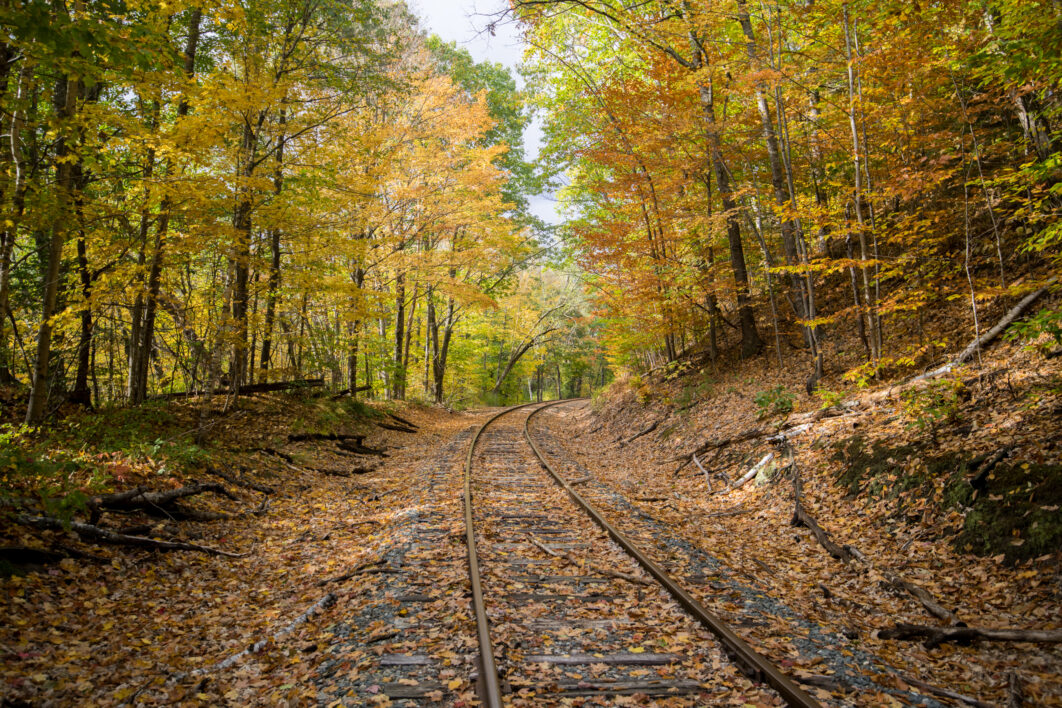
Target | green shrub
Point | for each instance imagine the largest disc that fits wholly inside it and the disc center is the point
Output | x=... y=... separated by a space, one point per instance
x=829 y=398
x=937 y=403
x=1031 y=330
x=774 y=401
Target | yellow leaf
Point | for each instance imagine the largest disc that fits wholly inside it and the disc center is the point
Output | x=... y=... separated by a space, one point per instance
x=454 y=684
x=637 y=650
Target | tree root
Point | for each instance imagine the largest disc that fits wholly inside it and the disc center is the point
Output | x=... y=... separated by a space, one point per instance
x=107 y=536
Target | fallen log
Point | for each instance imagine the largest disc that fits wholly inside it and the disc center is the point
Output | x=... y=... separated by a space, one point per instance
x=253 y=388
x=240 y=482
x=324 y=603
x=277 y=453
x=596 y=568
x=935 y=636
x=639 y=434
x=748 y=476
x=929 y=602
x=140 y=498
x=352 y=391
x=802 y=518
x=107 y=536
x=988 y=337
x=847 y=553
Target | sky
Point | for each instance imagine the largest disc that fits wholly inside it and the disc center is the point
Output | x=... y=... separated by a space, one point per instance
x=465 y=22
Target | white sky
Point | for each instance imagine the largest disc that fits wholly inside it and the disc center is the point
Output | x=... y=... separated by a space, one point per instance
x=465 y=22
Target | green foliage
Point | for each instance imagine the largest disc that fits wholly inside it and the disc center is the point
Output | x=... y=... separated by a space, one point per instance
x=694 y=392
x=828 y=398
x=1045 y=322
x=935 y=404
x=774 y=401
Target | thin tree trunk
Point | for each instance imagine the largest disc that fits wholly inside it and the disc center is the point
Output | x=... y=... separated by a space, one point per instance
x=144 y=343
x=64 y=101
x=869 y=304
x=751 y=344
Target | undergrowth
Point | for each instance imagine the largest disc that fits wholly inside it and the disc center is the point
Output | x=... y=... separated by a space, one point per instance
x=1011 y=510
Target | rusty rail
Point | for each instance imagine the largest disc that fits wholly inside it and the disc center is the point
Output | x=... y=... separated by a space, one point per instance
x=751 y=662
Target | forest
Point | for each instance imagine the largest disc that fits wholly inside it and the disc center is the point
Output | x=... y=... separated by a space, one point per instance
x=289 y=246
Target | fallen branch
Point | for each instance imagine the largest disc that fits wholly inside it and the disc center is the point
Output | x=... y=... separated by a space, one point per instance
x=646 y=431
x=277 y=453
x=358 y=570
x=107 y=536
x=597 y=569
x=240 y=482
x=581 y=480
x=324 y=603
x=254 y=388
x=802 y=518
x=945 y=693
x=352 y=391
x=987 y=338
x=935 y=636
x=140 y=498
x=921 y=594
x=747 y=477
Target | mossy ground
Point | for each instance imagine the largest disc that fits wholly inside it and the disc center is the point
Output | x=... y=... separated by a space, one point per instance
x=1012 y=510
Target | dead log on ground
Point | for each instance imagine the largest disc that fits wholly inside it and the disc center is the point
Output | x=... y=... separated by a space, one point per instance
x=351 y=391
x=240 y=482
x=755 y=470
x=107 y=536
x=802 y=518
x=736 y=511
x=645 y=431
x=253 y=388
x=318 y=607
x=597 y=569
x=929 y=602
x=935 y=636
x=277 y=453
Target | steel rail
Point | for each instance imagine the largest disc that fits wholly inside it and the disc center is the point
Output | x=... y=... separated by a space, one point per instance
x=751 y=662
x=488 y=668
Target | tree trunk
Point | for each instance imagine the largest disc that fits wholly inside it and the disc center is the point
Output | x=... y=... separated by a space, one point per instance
x=64 y=101
x=145 y=341
x=857 y=158
x=751 y=344
x=9 y=234
x=273 y=284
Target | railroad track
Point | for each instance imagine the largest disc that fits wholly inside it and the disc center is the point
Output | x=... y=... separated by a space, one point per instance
x=568 y=606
